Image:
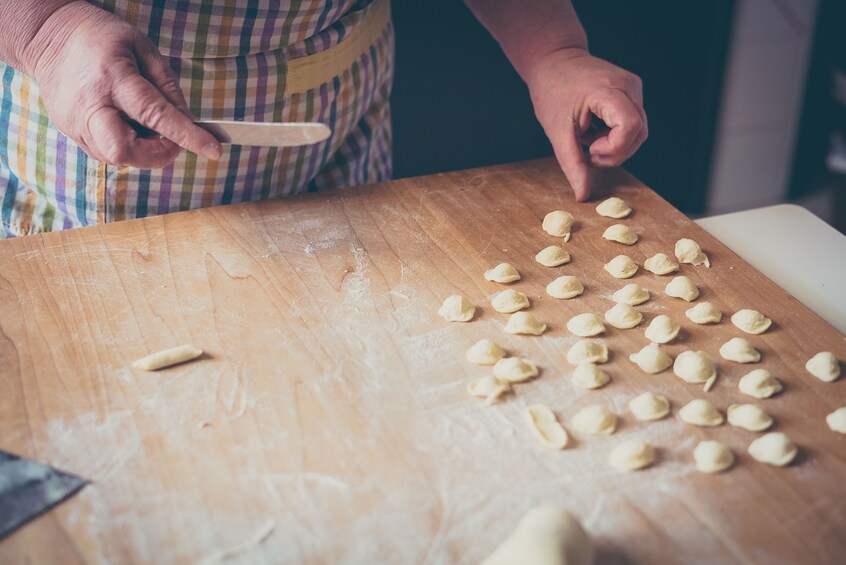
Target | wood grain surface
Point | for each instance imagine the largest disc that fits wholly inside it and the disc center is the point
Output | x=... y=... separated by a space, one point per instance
x=328 y=421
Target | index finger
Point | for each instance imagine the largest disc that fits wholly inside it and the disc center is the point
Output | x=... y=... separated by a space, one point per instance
x=142 y=102
x=571 y=158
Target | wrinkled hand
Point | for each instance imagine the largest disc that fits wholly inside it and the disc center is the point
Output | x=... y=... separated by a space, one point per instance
x=96 y=73
x=582 y=100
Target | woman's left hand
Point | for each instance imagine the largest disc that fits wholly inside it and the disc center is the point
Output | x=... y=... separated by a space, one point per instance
x=581 y=100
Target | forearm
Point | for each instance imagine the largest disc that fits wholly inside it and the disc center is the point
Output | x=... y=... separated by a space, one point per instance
x=20 y=24
x=529 y=29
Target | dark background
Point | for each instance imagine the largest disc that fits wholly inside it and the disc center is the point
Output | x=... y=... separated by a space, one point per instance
x=457 y=102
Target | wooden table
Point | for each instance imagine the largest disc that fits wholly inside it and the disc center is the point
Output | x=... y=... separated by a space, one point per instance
x=329 y=421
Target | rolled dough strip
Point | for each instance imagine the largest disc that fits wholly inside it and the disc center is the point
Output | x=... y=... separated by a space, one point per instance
x=167 y=358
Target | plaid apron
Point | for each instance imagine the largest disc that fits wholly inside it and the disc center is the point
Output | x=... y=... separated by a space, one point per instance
x=230 y=57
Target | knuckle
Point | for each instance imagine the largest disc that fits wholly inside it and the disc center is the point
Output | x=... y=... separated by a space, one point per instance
x=634 y=81
x=153 y=114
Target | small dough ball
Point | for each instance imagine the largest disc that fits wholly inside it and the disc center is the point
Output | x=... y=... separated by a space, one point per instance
x=515 y=369
x=552 y=256
x=524 y=323
x=585 y=325
x=545 y=426
x=503 y=273
x=490 y=388
x=457 y=308
x=632 y=455
x=682 y=287
x=759 y=383
x=587 y=351
x=546 y=535
x=662 y=329
x=589 y=376
x=595 y=419
x=623 y=316
x=621 y=267
x=751 y=321
x=620 y=233
x=712 y=456
x=749 y=417
x=613 y=208
x=649 y=406
x=688 y=251
x=651 y=359
x=704 y=313
x=824 y=366
x=484 y=352
x=694 y=367
x=660 y=264
x=739 y=350
x=631 y=294
x=510 y=301
x=837 y=420
x=774 y=448
x=565 y=287
x=558 y=223
x=700 y=412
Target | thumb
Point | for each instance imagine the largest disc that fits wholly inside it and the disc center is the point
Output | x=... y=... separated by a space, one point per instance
x=573 y=161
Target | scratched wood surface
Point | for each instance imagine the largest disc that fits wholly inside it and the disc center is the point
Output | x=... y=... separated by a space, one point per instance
x=328 y=421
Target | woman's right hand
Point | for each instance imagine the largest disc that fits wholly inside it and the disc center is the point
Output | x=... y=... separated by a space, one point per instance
x=97 y=74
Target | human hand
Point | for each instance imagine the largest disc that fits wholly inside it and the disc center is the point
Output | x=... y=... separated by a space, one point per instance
x=573 y=92
x=97 y=75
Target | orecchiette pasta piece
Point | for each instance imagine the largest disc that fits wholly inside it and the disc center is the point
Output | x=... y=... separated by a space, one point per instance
x=502 y=273
x=739 y=350
x=688 y=251
x=660 y=264
x=559 y=224
x=457 y=308
x=524 y=323
x=585 y=325
x=682 y=287
x=774 y=448
x=632 y=455
x=565 y=287
x=515 y=369
x=509 y=301
x=712 y=456
x=751 y=321
x=704 y=313
x=651 y=359
x=613 y=208
x=623 y=316
x=824 y=366
x=662 y=329
x=552 y=256
x=484 y=352
x=694 y=367
x=759 y=383
x=631 y=294
x=587 y=351
x=699 y=412
x=621 y=267
x=620 y=233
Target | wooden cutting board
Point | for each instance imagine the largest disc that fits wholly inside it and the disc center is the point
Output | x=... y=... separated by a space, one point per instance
x=329 y=421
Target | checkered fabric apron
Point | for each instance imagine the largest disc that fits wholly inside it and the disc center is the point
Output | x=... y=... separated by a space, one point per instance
x=230 y=57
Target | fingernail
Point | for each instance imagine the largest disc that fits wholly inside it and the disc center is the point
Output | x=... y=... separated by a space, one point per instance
x=211 y=151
